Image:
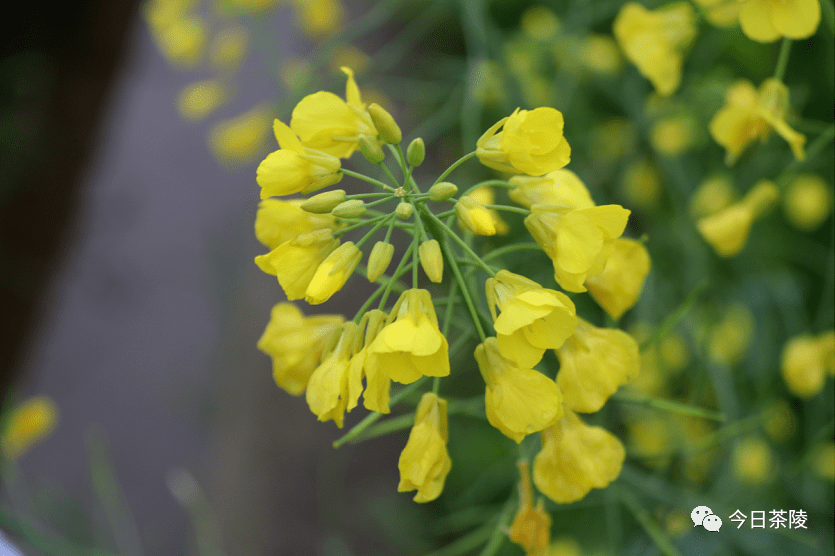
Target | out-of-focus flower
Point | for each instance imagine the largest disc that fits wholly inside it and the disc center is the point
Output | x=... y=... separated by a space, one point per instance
x=806 y=362
x=576 y=458
x=295 y=262
x=424 y=462
x=352 y=57
x=617 y=288
x=487 y=83
x=727 y=230
x=179 y=35
x=531 y=142
x=278 y=221
x=28 y=423
x=642 y=184
x=560 y=188
x=781 y=422
x=229 y=47
x=753 y=462
x=531 y=527
x=613 y=139
x=655 y=40
x=327 y=391
x=808 y=201
x=241 y=138
x=319 y=18
x=749 y=115
x=730 y=339
x=600 y=54
x=532 y=318
x=823 y=461
x=722 y=13
x=768 y=20
x=411 y=346
x=518 y=400
x=332 y=273
x=198 y=100
x=674 y=135
x=539 y=23
x=486 y=196
x=712 y=195
x=295 y=343
x=565 y=546
x=594 y=363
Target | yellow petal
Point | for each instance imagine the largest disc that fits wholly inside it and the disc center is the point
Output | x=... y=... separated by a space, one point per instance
x=796 y=19
x=756 y=22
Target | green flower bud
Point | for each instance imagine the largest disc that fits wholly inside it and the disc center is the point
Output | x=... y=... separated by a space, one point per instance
x=325 y=202
x=385 y=124
x=404 y=211
x=379 y=259
x=416 y=152
x=442 y=191
x=431 y=260
x=349 y=209
x=371 y=150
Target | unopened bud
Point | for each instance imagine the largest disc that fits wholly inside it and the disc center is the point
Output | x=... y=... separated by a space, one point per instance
x=416 y=152
x=379 y=259
x=404 y=211
x=442 y=191
x=349 y=209
x=474 y=216
x=385 y=124
x=431 y=260
x=371 y=150
x=325 y=202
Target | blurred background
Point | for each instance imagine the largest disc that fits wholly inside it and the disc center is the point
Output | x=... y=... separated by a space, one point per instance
x=129 y=137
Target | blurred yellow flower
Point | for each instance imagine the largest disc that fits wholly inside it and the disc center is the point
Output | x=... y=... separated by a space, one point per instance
x=727 y=230
x=29 y=422
x=319 y=18
x=808 y=201
x=655 y=40
x=531 y=142
x=578 y=241
x=532 y=318
x=181 y=39
x=295 y=342
x=565 y=546
x=539 y=23
x=712 y=195
x=295 y=262
x=768 y=20
x=781 y=422
x=327 y=391
x=576 y=458
x=730 y=338
x=642 y=184
x=617 y=288
x=198 y=100
x=823 y=461
x=749 y=115
x=278 y=221
x=239 y=139
x=722 y=13
x=411 y=346
x=674 y=135
x=229 y=47
x=594 y=363
x=531 y=527
x=600 y=54
x=332 y=273
x=518 y=400
x=424 y=462
x=560 y=187
x=753 y=462
x=806 y=362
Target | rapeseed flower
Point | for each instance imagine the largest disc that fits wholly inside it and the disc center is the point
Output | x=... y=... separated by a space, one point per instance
x=295 y=343
x=753 y=462
x=594 y=363
x=486 y=196
x=332 y=273
x=378 y=384
x=531 y=142
x=576 y=458
x=806 y=361
x=379 y=259
x=432 y=260
x=617 y=288
x=722 y=13
x=326 y=123
x=229 y=47
x=808 y=201
x=327 y=391
x=424 y=462
x=473 y=216
x=768 y=20
x=749 y=115
x=560 y=188
x=655 y=40
x=240 y=138
x=29 y=423
x=278 y=221
x=410 y=345
x=295 y=262
x=518 y=400
x=531 y=527
x=198 y=100
x=294 y=168
x=727 y=230
x=532 y=318
x=731 y=337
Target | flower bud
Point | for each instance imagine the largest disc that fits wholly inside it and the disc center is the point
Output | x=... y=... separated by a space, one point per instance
x=379 y=260
x=416 y=152
x=432 y=260
x=474 y=217
x=349 y=209
x=404 y=211
x=371 y=150
x=385 y=124
x=325 y=202
x=442 y=191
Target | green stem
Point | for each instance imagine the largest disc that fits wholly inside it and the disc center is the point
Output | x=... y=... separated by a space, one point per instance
x=643 y=517
x=671 y=406
x=783 y=59
x=362 y=224
x=497 y=183
x=499 y=532
x=389 y=284
x=366 y=195
x=463 y=245
x=466 y=292
x=508 y=208
x=377 y=202
x=415 y=258
x=380 y=224
x=510 y=249
x=454 y=165
x=671 y=321
x=365 y=178
x=396 y=275
x=391 y=228
x=389 y=174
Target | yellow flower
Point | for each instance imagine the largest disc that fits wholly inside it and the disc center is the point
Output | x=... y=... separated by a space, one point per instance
x=531 y=528
x=319 y=18
x=727 y=230
x=600 y=54
x=332 y=273
x=295 y=262
x=722 y=13
x=30 y=422
x=532 y=318
x=278 y=221
x=198 y=100
x=411 y=346
x=712 y=195
x=674 y=135
x=753 y=462
x=294 y=168
x=642 y=184
x=578 y=241
x=325 y=122
x=241 y=138
x=730 y=339
x=518 y=400
x=576 y=458
x=327 y=391
x=594 y=362
x=808 y=201
x=823 y=461
x=654 y=41
x=485 y=196
x=473 y=216
x=378 y=384
x=806 y=361
x=768 y=20
x=424 y=462
x=295 y=343
x=229 y=48
x=182 y=41
x=749 y=115
x=617 y=288
x=560 y=188
x=531 y=143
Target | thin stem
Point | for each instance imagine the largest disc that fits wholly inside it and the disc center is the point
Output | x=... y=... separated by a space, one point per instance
x=642 y=516
x=783 y=59
x=499 y=534
x=383 y=221
x=366 y=195
x=415 y=259
x=365 y=178
x=368 y=222
x=508 y=208
x=389 y=174
x=436 y=385
x=671 y=321
x=391 y=228
x=466 y=292
x=497 y=183
x=510 y=249
x=389 y=284
x=454 y=165
x=396 y=275
x=671 y=406
x=377 y=202
x=461 y=242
